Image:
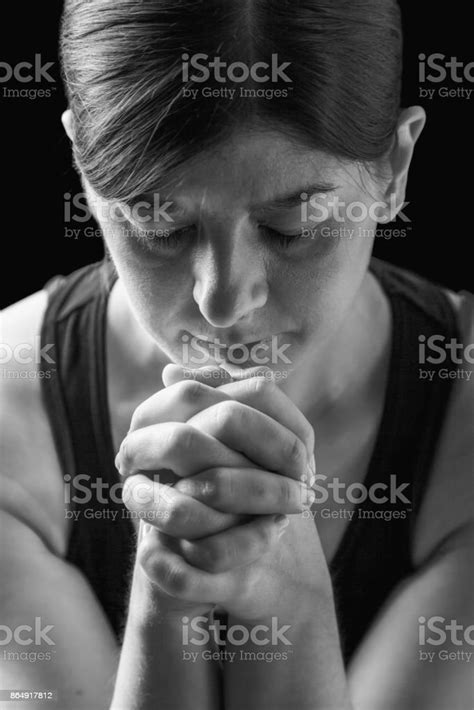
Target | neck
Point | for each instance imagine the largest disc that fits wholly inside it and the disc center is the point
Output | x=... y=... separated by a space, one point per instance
x=354 y=354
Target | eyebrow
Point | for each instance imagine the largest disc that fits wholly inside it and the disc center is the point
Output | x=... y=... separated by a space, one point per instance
x=282 y=202
x=293 y=199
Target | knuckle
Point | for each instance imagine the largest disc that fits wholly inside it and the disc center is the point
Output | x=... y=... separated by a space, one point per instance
x=168 y=573
x=174 y=578
x=227 y=414
x=180 y=437
x=264 y=535
x=126 y=454
x=139 y=417
x=210 y=555
x=284 y=493
x=258 y=490
x=210 y=486
x=261 y=386
x=295 y=452
x=146 y=556
x=178 y=514
x=128 y=493
x=190 y=391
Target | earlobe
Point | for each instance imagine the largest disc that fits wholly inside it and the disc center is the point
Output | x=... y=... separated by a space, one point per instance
x=66 y=120
x=410 y=125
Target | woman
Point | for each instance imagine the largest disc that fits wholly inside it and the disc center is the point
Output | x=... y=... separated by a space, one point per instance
x=237 y=336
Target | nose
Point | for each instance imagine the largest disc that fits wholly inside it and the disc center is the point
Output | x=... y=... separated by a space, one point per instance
x=230 y=278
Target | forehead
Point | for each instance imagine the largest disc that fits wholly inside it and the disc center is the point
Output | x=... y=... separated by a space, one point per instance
x=254 y=168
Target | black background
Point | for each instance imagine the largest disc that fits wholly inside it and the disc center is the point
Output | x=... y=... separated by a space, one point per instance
x=36 y=161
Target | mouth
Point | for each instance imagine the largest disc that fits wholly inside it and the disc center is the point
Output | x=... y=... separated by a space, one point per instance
x=241 y=344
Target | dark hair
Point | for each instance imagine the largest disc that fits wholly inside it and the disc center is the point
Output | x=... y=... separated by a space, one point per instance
x=122 y=67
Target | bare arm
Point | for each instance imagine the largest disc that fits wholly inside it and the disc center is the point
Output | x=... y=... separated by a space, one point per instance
x=419 y=654
x=70 y=647
x=154 y=672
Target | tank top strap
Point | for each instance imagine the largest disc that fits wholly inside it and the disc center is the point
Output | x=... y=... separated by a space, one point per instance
x=375 y=553
x=415 y=406
x=75 y=398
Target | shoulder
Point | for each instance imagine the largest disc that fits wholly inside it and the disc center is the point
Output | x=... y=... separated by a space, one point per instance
x=31 y=482
x=447 y=512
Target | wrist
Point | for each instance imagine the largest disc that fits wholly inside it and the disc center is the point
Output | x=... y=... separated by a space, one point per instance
x=150 y=606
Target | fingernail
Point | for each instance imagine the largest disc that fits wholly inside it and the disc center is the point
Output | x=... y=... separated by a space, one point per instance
x=144 y=530
x=312 y=465
x=307 y=497
x=310 y=478
x=310 y=498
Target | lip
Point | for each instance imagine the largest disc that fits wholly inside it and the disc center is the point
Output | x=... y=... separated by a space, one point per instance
x=238 y=343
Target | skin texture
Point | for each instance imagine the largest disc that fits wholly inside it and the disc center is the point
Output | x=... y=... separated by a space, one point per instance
x=201 y=550
x=226 y=279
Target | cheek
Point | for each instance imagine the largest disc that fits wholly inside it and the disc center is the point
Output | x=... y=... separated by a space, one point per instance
x=319 y=291
x=158 y=292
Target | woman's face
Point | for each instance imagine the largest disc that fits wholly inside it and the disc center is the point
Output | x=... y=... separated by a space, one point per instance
x=265 y=243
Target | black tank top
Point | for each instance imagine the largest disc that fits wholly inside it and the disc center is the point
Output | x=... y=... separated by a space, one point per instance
x=374 y=555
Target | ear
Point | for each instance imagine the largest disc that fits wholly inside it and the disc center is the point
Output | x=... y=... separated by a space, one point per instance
x=66 y=120
x=410 y=125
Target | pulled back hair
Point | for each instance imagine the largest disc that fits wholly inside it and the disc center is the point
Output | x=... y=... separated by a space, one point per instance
x=122 y=68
